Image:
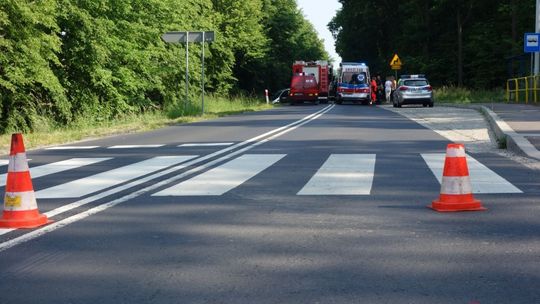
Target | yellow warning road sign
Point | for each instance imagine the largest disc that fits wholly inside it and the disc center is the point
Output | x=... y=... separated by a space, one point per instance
x=395 y=63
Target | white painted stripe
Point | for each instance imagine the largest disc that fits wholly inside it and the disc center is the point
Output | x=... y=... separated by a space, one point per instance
x=223 y=178
x=483 y=180
x=227 y=153
x=18 y=163
x=456 y=152
x=58 y=167
x=343 y=174
x=206 y=144
x=94 y=183
x=72 y=148
x=456 y=185
x=134 y=146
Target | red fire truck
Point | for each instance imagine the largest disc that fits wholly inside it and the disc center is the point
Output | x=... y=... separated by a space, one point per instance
x=310 y=81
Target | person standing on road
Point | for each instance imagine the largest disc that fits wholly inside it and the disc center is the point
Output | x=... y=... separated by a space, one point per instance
x=380 y=89
x=373 y=90
x=388 y=88
x=394 y=86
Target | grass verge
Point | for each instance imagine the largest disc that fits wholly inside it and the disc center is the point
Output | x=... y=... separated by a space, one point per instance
x=467 y=96
x=48 y=134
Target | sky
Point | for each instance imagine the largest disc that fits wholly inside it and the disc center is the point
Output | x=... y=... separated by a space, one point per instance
x=319 y=13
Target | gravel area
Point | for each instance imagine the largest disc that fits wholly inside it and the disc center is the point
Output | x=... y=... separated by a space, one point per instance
x=462 y=125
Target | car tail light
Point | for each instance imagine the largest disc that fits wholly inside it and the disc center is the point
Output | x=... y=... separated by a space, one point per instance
x=429 y=88
x=403 y=88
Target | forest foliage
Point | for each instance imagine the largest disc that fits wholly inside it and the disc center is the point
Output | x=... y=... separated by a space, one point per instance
x=455 y=42
x=63 y=61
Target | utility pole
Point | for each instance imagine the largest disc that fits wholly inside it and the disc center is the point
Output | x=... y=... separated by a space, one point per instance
x=537 y=30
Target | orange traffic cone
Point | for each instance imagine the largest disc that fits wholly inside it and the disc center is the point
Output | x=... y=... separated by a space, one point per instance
x=456 y=191
x=20 y=207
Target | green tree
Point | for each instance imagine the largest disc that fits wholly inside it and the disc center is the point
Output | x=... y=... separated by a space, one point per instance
x=29 y=48
x=292 y=38
x=453 y=42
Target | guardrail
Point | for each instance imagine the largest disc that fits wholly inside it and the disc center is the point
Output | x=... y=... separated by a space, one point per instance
x=523 y=89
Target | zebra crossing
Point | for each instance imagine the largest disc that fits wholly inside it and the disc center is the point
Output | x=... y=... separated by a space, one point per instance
x=343 y=174
x=339 y=174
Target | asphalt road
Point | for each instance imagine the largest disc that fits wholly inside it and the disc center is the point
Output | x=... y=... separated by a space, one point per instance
x=253 y=217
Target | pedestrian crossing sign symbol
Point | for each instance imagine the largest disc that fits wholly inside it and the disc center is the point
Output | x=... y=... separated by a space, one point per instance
x=395 y=63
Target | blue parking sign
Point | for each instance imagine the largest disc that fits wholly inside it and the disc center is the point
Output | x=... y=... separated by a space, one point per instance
x=532 y=43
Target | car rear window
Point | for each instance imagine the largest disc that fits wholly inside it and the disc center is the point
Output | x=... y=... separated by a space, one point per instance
x=415 y=83
x=354 y=78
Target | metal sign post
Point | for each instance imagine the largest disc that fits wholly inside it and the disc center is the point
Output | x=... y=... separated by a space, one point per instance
x=187 y=71
x=537 y=29
x=202 y=75
x=187 y=37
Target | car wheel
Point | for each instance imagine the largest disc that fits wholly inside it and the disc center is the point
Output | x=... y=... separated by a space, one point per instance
x=431 y=105
x=424 y=105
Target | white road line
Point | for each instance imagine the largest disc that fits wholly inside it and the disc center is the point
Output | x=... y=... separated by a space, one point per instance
x=134 y=146
x=343 y=174
x=255 y=141
x=228 y=176
x=94 y=183
x=57 y=167
x=206 y=144
x=483 y=179
x=72 y=148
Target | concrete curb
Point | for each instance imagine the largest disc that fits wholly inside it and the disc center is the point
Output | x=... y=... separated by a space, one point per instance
x=514 y=141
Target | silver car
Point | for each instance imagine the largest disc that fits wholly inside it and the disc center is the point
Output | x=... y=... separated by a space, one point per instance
x=413 y=89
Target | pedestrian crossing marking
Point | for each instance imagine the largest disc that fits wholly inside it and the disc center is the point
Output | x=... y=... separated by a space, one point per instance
x=343 y=174
x=340 y=174
x=483 y=180
x=100 y=181
x=72 y=148
x=224 y=178
x=207 y=144
x=57 y=167
x=134 y=146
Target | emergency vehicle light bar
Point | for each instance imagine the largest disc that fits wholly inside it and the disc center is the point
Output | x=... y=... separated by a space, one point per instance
x=414 y=76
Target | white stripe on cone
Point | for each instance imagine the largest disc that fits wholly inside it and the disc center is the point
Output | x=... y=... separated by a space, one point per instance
x=18 y=163
x=456 y=185
x=453 y=152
